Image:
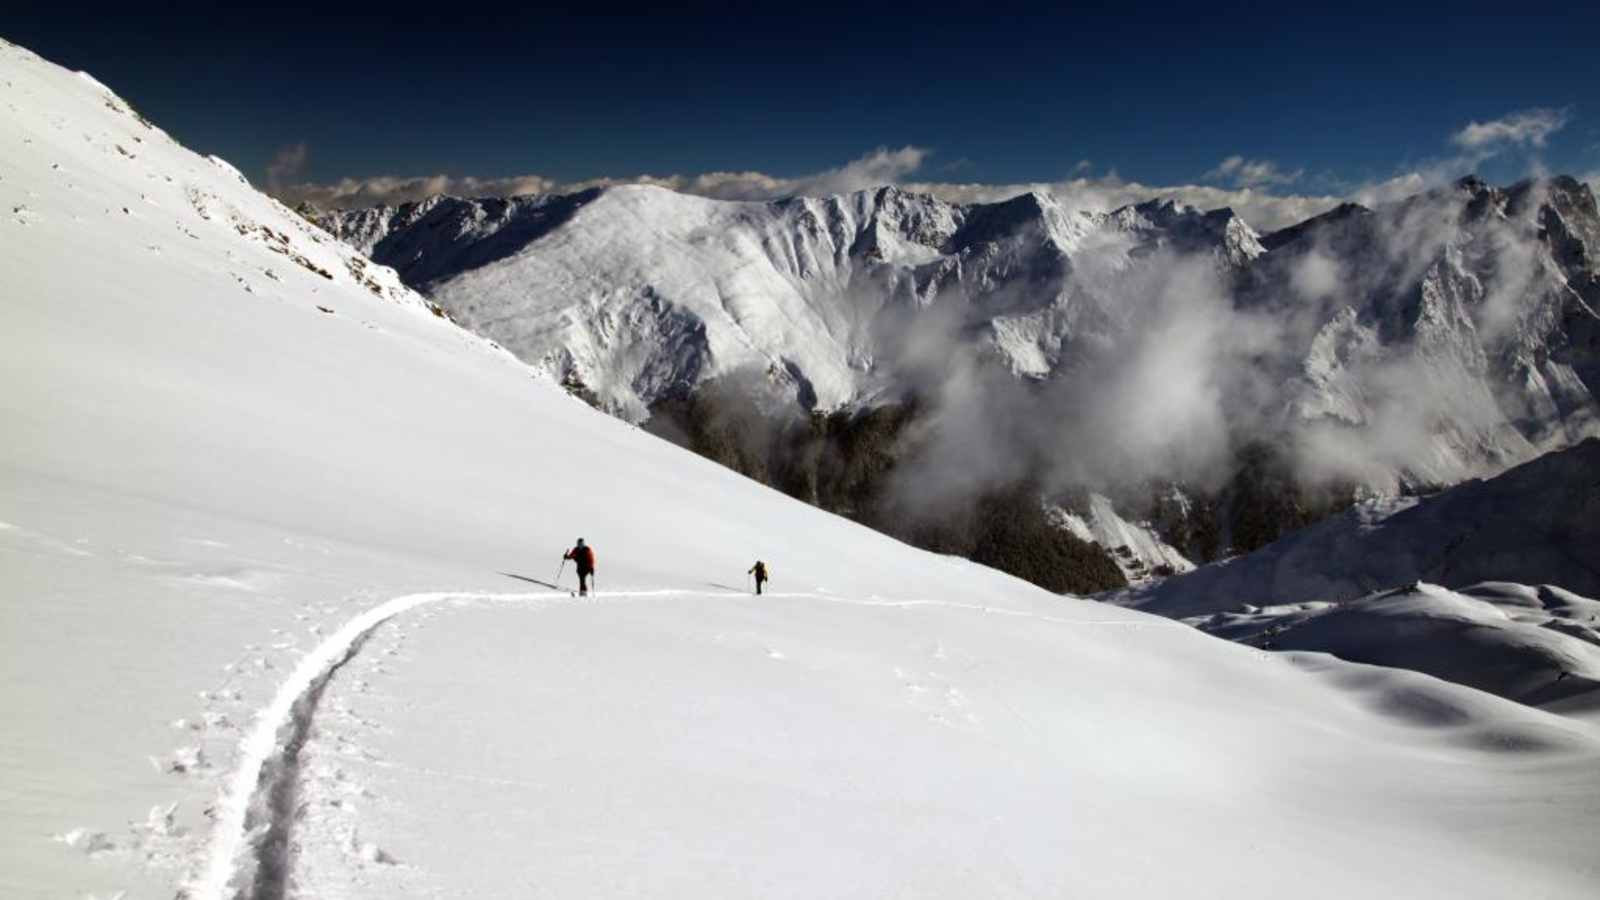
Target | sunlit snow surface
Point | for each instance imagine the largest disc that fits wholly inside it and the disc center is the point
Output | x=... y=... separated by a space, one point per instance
x=221 y=463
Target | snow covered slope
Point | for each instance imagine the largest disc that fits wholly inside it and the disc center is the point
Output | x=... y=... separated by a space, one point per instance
x=1135 y=547
x=1515 y=548
x=1536 y=645
x=275 y=623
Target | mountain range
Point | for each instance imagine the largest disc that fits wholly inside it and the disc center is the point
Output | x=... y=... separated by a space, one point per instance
x=1480 y=299
x=1223 y=386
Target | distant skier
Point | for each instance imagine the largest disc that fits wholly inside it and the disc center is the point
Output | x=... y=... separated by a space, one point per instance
x=759 y=570
x=582 y=557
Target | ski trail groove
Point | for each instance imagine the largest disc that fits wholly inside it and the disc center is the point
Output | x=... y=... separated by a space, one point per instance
x=255 y=817
x=250 y=836
x=279 y=789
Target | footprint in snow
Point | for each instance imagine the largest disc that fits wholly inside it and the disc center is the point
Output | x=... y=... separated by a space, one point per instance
x=367 y=851
x=160 y=822
x=372 y=853
x=86 y=841
x=185 y=760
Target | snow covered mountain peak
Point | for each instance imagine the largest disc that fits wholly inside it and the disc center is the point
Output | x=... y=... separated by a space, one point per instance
x=1165 y=222
x=123 y=176
x=640 y=293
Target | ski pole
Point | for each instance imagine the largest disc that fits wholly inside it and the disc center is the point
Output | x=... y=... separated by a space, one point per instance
x=561 y=568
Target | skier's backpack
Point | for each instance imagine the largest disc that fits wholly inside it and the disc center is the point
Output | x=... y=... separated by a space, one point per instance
x=584 y=557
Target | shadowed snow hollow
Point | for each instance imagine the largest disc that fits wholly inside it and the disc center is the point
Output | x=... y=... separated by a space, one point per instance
x=1354 y=585
x=1536 y=524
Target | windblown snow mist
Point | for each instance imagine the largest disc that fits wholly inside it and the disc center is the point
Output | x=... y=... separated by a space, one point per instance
x=885 y=345
x=1407 y=346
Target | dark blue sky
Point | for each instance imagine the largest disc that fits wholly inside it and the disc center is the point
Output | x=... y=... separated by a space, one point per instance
x=1159 y=93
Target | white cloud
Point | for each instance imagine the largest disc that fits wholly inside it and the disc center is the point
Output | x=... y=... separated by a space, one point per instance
x=390 y=189
x=1263 y=210
x=1251 y=172
x=1397 y=188
x=882 y=166
x=877 y=168
x=1249 y=191
x=1317 y=275
x=1525 y=127
x=286 y=164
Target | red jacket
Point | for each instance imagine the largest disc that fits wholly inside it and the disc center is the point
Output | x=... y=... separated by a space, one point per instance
x=583 y=556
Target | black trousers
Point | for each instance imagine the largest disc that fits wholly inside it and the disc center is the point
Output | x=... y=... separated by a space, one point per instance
x=759 y=583
x=583 y=581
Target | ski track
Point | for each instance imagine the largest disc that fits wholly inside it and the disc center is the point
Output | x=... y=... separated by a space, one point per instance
x=252 y=827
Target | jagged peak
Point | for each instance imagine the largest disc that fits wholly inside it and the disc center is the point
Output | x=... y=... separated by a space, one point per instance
x=986 y=221
x=1160 y=210
x=1564 y=185
x=1568 y=183
x=1337 y=217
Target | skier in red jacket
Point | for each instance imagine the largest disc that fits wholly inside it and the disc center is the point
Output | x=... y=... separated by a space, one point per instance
x=582 y=557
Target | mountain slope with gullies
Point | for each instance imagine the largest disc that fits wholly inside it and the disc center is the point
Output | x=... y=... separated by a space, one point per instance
x=641 y=293
x=1421 y=342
